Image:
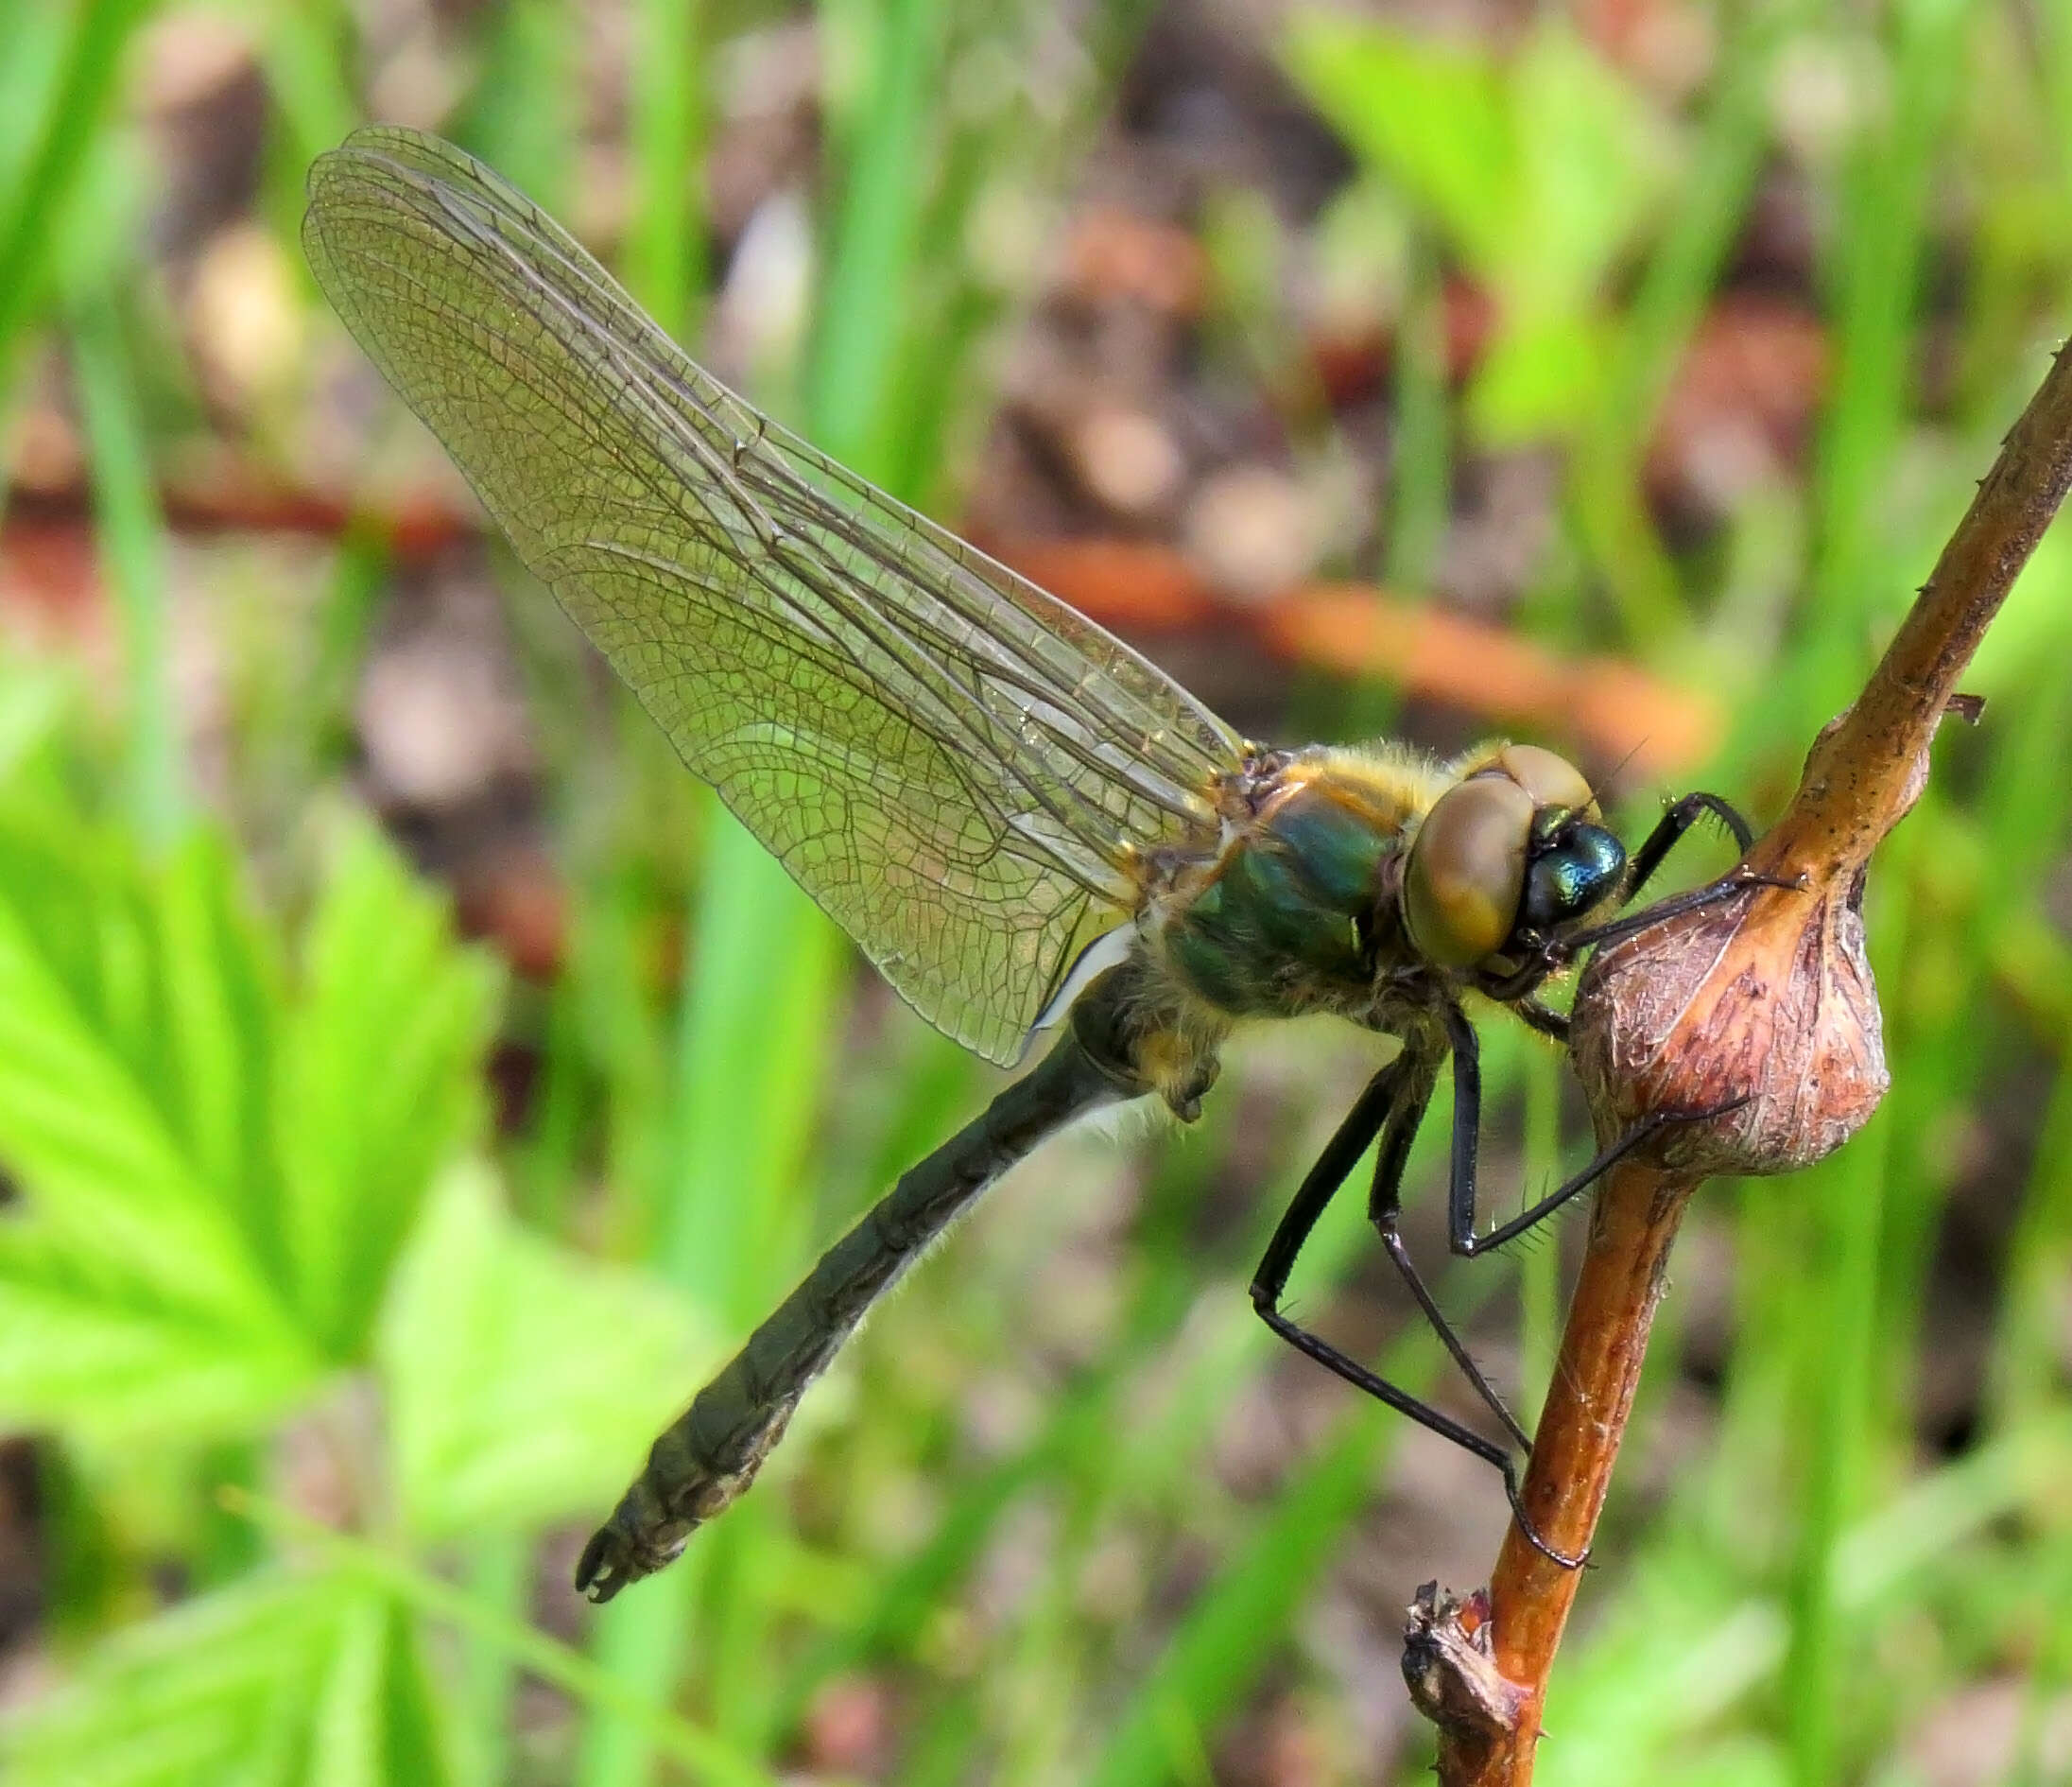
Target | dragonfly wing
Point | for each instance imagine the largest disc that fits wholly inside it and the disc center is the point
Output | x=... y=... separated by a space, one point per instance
x=958 y=766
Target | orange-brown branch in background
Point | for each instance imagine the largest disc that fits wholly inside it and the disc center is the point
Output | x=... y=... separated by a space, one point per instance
x=1617 y=711
x=1614 y=707
x=1760 y=1009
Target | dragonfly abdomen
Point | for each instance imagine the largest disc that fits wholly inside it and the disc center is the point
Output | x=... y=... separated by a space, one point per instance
x=704 y=1461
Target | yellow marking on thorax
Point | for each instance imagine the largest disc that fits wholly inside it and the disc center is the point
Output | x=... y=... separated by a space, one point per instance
x=1390 y=786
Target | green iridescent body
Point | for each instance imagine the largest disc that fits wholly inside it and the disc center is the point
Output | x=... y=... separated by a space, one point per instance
x=1281 y=925
x=1284 y=919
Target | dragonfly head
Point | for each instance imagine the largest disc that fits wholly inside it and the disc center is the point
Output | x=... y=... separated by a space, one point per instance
x=1505 y=858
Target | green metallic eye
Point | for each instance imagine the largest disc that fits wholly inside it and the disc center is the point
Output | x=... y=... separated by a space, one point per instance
x=1467 y=869
x=1551 y=781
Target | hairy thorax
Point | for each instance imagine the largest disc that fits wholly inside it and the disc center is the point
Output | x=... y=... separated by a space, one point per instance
x=1295 y=908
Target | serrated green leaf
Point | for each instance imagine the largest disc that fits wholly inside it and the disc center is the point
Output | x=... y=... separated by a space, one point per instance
x=375 y=1722
x=98 y=1360
x=134 y=1011
x=222 y=993
x=418 y=1736
x=380 y=1084
x=523 y=1383
x=218 y=1689
x=289 y=1681
x=702 y=1756
x=91 y=1112
x=218 y=1179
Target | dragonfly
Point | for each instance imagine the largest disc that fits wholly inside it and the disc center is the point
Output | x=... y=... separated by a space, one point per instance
x=1023 y=825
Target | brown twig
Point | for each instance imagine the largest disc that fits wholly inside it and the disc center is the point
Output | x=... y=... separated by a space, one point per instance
x=1615 y=709
x=1755 y=1021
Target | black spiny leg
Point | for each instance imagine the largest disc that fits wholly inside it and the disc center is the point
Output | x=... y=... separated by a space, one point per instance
x=1669 y=830
x=1544 y=1019
x=1392 y=1104
x=1379 y=1104
x=1384 y=1210
x=1467 y=1118
x=1461 y=1235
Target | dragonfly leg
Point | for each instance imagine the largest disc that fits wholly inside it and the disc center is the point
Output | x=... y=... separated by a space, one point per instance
x=1461 y=1235
x=1552 y=956
x=1390 y=1105
x=1362 y=1123
x=1467 y=1131
x=1669 y=830
x=1735 y=882
x=1544 y=1019
x=1384 y=1210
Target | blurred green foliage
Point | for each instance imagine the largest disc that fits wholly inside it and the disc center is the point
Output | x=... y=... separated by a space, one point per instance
x=264 y=1237
x=1536 y=166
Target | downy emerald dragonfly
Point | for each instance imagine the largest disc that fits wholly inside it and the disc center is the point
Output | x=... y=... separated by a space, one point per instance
x=1021 y=822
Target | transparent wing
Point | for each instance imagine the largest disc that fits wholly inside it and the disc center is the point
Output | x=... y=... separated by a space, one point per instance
x=956 y=766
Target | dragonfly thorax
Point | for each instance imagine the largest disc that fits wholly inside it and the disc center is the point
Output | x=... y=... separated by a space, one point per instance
x=1345 y=879
x=1299 y=910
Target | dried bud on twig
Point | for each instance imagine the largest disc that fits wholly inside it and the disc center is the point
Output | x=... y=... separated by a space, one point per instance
x=1449 y=1669
x=1761 y=1008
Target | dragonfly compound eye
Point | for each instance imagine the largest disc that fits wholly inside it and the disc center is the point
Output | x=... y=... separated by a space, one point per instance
x=1467 y=869
x=1552 y=781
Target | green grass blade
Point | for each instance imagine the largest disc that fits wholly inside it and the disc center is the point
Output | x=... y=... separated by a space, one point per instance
x=302 y=48
x=1422 y=473
x=708 y=1758
x=759 y=994
x=857 y=330
x=1227 y=1639
x=499 y=1573
x=1672 y=298
x=2026 y=1343
x=131 y=534
x=757 y=997
x=33 y=218
x=665 y=250
x=1876 y=275
x=524 y=118
x=1841 y=1399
